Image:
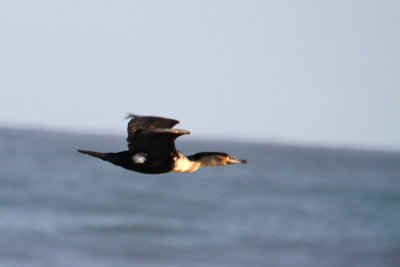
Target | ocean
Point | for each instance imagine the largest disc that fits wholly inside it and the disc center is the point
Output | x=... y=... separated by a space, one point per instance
x=290 y=206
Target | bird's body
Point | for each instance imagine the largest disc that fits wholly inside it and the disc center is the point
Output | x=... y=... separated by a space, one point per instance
x=151 y=143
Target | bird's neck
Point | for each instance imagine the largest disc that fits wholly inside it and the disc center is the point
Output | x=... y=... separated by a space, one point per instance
x=194 y=162
x=184 y=164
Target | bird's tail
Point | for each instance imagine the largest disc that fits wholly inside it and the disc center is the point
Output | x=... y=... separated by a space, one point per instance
x=99 y=155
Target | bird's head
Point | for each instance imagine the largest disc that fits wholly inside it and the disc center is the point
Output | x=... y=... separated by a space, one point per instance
x=230 y=159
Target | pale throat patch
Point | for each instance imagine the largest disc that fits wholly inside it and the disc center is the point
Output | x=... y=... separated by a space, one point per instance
x=183 y=164
x=139 y=158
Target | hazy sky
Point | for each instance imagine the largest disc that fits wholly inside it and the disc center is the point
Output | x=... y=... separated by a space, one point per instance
x=298 y=71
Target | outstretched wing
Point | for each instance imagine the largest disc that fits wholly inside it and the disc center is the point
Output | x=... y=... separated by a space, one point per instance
x=146 y=122
x=156 y=142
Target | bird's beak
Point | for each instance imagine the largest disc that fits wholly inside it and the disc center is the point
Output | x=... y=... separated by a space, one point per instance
x=234 y=160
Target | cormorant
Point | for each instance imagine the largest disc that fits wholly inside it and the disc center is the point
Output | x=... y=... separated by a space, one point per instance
x=151 y=143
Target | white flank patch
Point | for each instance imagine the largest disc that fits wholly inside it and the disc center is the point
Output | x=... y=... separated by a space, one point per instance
x=139 y=158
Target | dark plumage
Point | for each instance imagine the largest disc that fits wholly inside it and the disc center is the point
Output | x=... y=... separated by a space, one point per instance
x=151 y=143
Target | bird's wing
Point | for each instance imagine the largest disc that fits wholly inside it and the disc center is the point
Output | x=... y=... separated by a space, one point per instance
x=157 y=142
x=146 y=122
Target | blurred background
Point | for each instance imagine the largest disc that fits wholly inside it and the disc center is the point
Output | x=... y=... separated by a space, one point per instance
x=306 y=91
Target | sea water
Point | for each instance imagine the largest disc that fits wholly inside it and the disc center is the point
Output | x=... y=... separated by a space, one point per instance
x=290 y=206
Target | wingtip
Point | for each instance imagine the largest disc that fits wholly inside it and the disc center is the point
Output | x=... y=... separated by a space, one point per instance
x=136 y=116
x=168 y=130
x=131 y=116
x=181 y=131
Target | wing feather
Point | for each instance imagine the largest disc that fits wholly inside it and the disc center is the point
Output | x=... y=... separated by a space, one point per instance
x=146 y=122
x=156 y=142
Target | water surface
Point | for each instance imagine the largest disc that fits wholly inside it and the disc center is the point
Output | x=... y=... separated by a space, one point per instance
x=290 y=206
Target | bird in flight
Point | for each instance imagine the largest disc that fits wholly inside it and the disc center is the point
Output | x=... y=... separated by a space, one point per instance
x=151 y=149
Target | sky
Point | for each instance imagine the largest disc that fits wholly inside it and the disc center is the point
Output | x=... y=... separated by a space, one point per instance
x=307 y=72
